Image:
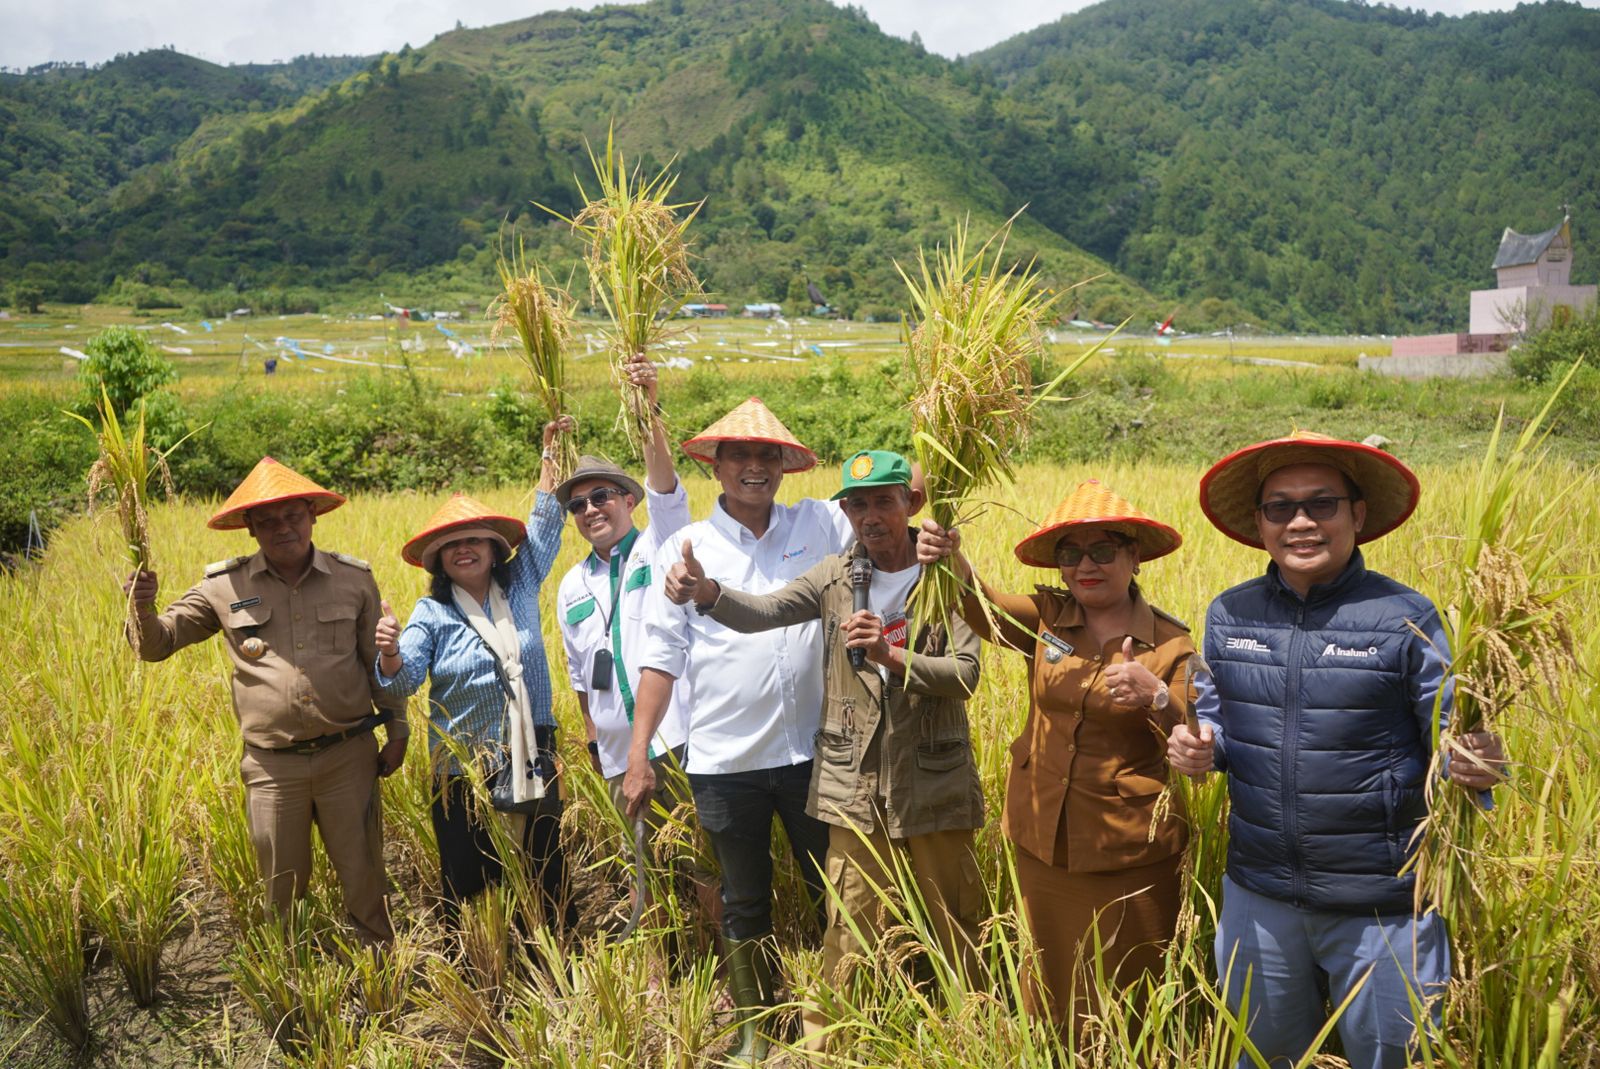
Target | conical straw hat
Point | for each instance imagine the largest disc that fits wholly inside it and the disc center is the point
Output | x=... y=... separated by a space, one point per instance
x=267 y=484
x=1092 y=505
x=461 y=517
x=751 y=422
x=1228 y=491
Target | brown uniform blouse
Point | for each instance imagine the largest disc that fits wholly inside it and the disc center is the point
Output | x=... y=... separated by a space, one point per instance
x=1085 y=773
x=315 y=675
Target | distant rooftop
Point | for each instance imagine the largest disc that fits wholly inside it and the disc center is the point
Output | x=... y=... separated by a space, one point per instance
x=1518 y=249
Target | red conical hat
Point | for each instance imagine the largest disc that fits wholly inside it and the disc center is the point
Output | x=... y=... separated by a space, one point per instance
x=461 y=517
x=751 y=422
x=1228 y=491
x=1093 y=505
x=267 y=484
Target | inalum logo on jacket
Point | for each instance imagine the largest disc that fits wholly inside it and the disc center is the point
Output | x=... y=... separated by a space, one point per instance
x=1249 y=644
x=1343 y=651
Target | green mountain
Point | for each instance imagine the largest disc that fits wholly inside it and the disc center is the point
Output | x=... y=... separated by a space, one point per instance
x=1305 y=163
x=1322 y=163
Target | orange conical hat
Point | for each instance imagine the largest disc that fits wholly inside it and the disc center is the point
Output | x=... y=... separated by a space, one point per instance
x=461 y=517
x=1228 y=491
x=751 y=422
x=1093 y=504
x=267 y=484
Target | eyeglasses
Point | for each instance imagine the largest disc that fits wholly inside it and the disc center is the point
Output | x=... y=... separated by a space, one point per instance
x=1099 y=552
x=597 y=498
x=1315 y=508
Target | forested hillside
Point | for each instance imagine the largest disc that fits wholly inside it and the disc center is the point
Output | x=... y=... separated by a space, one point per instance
x=1299 y=163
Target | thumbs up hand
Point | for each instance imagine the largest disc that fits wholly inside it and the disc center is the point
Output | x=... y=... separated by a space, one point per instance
x=686 y=581
x=388 y=633
x=1131 y=684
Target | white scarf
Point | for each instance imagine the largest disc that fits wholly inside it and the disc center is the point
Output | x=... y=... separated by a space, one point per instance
x=500 y=635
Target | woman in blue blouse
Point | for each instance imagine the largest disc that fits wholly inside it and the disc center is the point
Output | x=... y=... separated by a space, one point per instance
x=476 y=637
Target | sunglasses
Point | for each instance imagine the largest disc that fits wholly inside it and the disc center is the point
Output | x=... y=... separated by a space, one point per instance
x=1315 y=508
x=597 y=498
x=1099 y=552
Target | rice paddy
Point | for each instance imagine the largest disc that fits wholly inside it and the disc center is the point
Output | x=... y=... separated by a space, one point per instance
x=123 y=830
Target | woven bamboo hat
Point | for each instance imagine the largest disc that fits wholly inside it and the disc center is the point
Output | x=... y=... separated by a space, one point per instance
x=267 y=484
x=751 y=422
x=461 y=517
x=1092 y=504
x=1228 y=491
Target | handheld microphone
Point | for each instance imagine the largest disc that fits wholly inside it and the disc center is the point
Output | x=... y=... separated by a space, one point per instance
x=860 y=580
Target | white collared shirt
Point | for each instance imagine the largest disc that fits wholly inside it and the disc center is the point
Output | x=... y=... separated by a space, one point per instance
x=590 y=623
x=756 y=699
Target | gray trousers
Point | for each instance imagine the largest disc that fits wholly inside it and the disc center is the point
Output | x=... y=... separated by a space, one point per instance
x=1299 y=960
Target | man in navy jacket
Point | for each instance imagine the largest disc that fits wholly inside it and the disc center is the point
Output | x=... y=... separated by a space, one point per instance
x=1322 y=686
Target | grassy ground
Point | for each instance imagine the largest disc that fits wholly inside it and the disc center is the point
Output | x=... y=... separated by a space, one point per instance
x=109 y=758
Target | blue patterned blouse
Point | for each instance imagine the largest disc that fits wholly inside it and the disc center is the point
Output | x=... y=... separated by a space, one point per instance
x=464 y=697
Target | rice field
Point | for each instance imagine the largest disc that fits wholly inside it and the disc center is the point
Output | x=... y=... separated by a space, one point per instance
x=127 y=869
x=331 y=348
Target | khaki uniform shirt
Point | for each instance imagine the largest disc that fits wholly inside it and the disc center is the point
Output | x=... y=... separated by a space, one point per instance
x=1085 y=773
x=315 y=675
x=897 y=752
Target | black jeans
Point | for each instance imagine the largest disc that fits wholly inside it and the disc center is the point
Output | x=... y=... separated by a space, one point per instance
x=468 y=864
x=736 y=810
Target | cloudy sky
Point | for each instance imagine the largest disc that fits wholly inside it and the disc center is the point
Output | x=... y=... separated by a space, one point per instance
x=244 y=31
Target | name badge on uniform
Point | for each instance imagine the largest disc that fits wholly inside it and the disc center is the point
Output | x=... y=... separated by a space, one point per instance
x=245 y=604
x=1055 y=648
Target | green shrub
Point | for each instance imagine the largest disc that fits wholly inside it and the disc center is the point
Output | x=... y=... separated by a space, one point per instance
x=123 y=361
x=1545 y=357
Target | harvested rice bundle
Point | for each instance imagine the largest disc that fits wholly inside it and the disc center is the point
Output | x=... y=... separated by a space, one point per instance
x=969 y=357
x=123 y=473
x=541 y=314
x=1511 y=641
x=638 y=260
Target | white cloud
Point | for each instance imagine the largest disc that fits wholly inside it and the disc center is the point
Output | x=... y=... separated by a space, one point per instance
x=255 y=31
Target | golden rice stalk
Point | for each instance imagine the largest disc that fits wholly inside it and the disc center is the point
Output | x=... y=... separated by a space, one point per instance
x=969 y=358
x=123 y=473
x=541 y=315
x=639 y=269
x=1508 y=637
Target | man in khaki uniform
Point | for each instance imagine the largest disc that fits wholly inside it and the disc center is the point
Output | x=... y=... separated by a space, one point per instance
x=894 y=772
x=299 y=623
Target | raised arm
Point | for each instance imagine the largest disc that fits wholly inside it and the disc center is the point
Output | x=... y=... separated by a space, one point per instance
x=1015 y=616
x=659 y=474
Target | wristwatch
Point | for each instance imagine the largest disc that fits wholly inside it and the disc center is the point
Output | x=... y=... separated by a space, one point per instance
x=1162 y=699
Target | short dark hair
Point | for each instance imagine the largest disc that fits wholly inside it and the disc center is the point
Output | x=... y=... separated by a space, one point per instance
x=439 y=585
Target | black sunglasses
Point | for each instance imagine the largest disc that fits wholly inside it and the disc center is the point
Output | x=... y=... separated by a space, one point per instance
x=1101 y=553
x=597 y=498
x=1316 y=508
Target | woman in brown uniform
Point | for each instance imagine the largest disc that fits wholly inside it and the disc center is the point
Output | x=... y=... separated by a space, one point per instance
x=1108 y=679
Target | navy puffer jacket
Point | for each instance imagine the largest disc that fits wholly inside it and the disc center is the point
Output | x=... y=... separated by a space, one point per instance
x=1326 y=707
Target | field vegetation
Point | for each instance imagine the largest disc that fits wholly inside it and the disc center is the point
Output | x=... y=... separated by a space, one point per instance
x=124 y=843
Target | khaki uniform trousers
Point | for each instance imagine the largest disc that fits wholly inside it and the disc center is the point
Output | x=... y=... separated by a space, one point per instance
x=859 y=867
x=1135 y=911
x=337 y=790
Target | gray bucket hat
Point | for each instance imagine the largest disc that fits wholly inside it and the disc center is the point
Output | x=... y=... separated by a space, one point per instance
x=595 y=468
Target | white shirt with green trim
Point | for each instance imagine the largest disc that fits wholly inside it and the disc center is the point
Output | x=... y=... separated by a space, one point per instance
x=593 y=619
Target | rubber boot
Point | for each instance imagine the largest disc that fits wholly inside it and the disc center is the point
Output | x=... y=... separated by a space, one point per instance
x=750 y=983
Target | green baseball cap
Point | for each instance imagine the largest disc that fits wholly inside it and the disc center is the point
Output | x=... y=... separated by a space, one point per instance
x=874 y=467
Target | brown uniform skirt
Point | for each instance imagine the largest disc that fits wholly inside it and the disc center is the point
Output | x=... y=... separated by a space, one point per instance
x=1137 y=909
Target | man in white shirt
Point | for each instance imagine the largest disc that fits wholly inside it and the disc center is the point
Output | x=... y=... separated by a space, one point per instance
x=601 y=600
x=757 y=699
